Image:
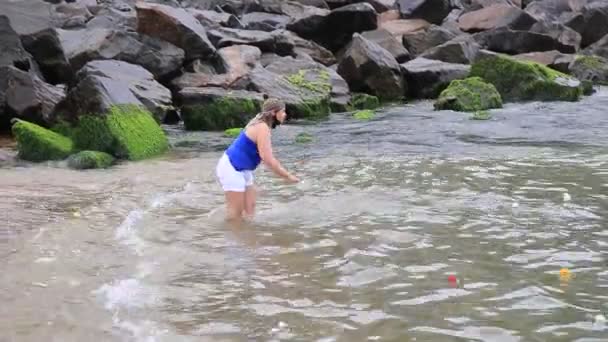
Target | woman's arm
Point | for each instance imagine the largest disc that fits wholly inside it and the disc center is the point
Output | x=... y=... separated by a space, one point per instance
x=265 y=149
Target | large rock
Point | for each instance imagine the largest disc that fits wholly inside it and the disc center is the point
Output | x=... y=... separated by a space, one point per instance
x=433 y=11
x=264 y=21
x=302 y=72
x=307 y=21
x=561 y=33
x=590 y=68
x=516 y=42
x=426 y=78
x=552 y=10
x=176 y=26
x=277 y=41
x=400 y=27
x=29 y=16
x=13 y=53
x=37 y=144
x=522 y=81
x=419 y=41
x=495 y=16
x=117 y=17
x=599 y=48
x=468 y=95
x=27 y=96
x=305 y=86
x=386 y=40
x=341 y=23
x=313 y=50
x=369 y=68
x=553 y=59
x=61 y=53
x=460 y=50
x=591 y=23
x=216 y=109
x=234 y=65
x=213 y=19
x=105 y=83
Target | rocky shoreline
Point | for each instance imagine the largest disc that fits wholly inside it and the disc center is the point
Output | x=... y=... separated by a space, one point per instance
x=92 y=80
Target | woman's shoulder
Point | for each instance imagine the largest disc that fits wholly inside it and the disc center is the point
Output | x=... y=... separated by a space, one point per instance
x=256 y=130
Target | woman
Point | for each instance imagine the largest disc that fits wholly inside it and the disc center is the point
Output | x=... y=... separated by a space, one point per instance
x=253 y=145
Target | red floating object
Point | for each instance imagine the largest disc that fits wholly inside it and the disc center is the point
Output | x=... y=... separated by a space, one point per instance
x=452 y=278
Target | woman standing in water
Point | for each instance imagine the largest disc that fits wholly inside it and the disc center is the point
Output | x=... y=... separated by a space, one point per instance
x=253 y=145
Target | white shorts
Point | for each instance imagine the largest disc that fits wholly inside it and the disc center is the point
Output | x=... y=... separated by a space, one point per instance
x=231 y=179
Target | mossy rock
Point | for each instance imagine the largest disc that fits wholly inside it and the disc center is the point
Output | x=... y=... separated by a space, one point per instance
x=90 y=160
x=320 y=84
x=219 y=114
x=469 y=95
x=126 y=132
x=518 y=80
x=481 y=115
x=361 y=101
x=314 y=109
x=593 y=69
x=36 y=143
x=232 y=132
x=364 y=115
x=303 y=138
x=587 y=88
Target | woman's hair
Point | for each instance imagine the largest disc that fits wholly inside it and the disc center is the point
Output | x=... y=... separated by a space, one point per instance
x=269 y=109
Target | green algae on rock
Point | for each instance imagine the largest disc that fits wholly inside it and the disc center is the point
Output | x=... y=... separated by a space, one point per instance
x=360 y=101
x=468 y=95
x=219 y=114
x=36 y=143
x=90 y=160
x=232 y=132
x=364 y=115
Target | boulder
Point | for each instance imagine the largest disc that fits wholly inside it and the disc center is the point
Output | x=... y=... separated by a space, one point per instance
x=515 y=42
x=561 y=33
x=342 y=23
x=460 y=50
x=216 y=109
x=386 y=40
x=29 y=16
x=369 y=68
x=27 y=96
x=419 y=41
x=277 y=41
x=590 y=68
x=124 y=131
x=307 y=21
x=313 y=50
x=468 y=95
x=105 y=83
x=526 y=81
x=398 y=28
x=553 y=59
x=264 y=21
x=433 y=11
x=495 y=16
x=426 y=78
x=599 y=48
x=13 y=53
x=591 y=23
x=305 y=86
x=552 y=10
x=117 y=17
x=234 y=64
x=61 y=53
x=213 y=19
x=37 y=144
x=90 y=160
x=176 y=26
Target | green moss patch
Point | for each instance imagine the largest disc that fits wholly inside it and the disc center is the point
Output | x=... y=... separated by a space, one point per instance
x=364 y=115
x=592 y=69
x=361 y=101
x=315 y=108
x=232 y=132
x=90 y=160
x=219 y=114
x=36 y=143
x=518 y=80
x=468 y=95
x=320 y=85
x=303 y=138
x=481 y=115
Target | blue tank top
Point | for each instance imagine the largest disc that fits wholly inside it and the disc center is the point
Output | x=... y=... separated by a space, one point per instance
x=243 y=153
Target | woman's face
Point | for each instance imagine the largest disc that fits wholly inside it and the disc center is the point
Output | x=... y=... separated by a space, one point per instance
x=281 y=115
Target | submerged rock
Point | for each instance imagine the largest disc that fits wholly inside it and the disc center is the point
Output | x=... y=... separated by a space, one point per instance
x=469 y=95
x=590 y=68
x=521 y=81
x=90 y=160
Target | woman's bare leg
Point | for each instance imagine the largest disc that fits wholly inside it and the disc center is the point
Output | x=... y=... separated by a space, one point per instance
x=250 y=199
x=235 y=204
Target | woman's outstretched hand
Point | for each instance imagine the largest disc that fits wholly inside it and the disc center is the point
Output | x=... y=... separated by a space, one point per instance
x=293 y=179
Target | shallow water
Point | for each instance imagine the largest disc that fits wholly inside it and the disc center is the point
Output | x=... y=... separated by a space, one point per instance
x=361 y=250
